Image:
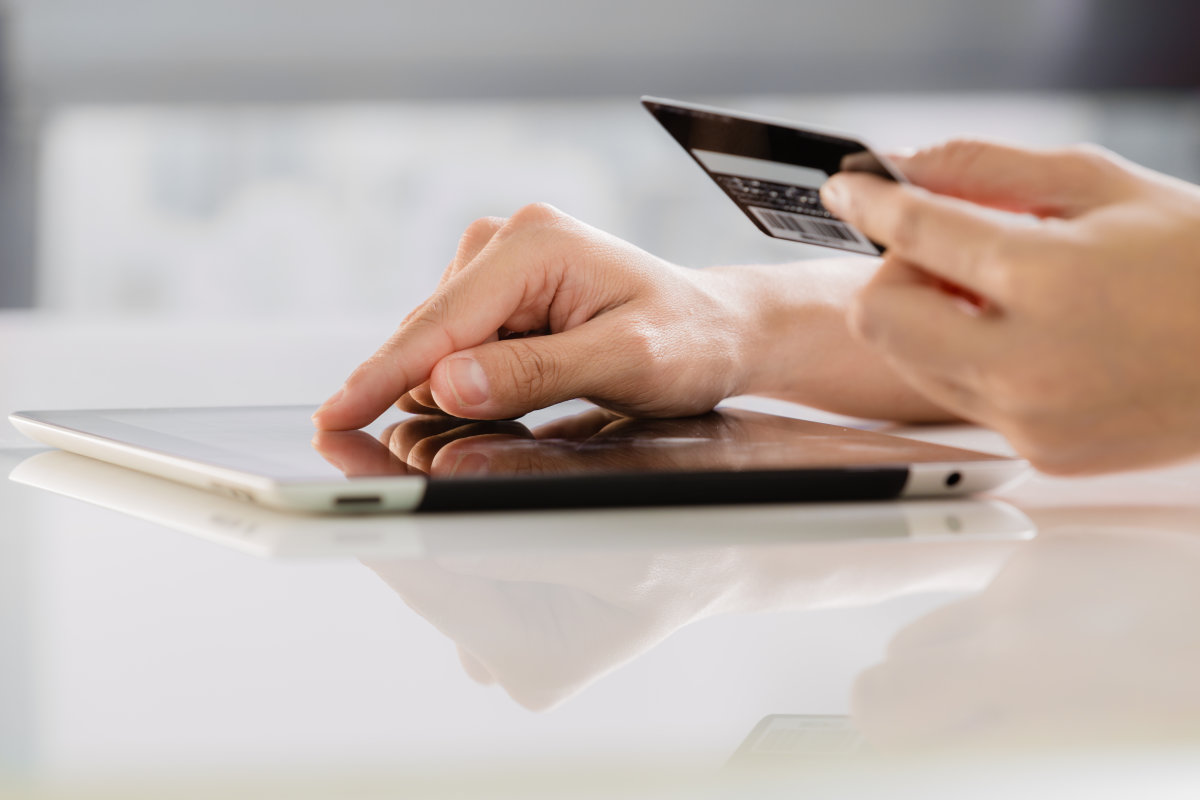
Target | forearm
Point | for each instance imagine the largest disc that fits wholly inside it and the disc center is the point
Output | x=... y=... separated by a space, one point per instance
x=800 y=348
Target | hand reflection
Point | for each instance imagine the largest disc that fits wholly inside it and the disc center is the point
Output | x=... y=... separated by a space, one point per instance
x=413 y=446
x=544 y=626
x=1087 y=634
x=599 y=441
x=594 y=440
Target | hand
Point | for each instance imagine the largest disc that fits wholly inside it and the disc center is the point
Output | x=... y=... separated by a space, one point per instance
x=1083 y=637
x=628 y=330
x=1075 y=334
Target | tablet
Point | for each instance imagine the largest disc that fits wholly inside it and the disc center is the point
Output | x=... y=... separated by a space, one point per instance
x=574 y=454
x=267 y=533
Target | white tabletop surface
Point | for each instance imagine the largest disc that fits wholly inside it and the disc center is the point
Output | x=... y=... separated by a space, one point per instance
x=178 y=646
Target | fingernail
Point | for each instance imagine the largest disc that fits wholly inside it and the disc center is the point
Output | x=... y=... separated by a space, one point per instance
x=833 y=197
x=467 y=381
x=330 y=403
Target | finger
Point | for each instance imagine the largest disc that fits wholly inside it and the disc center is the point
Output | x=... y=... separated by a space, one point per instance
x=946 y=393
x=475 y=238
x=934 y=340
x=357 y=454
x=509 y=378
x=1049 y=183
x=419 y=401
x=952 y=238
x=507 y=455
x=906 y=313
x=422 y=454
x=515 y=279
x=478 y=235
x=470 y=452
x=403 y=436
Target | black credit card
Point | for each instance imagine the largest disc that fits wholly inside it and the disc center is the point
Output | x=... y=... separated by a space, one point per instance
x=774 y=170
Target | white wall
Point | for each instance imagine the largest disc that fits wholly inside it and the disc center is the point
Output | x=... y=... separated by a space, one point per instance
x=220 y=49
x=348 y=209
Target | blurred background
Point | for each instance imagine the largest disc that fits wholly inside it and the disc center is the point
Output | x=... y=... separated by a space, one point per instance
x=315 y=161
x=295 y=157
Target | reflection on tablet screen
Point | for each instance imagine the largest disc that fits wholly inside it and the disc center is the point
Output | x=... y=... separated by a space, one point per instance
x=599 y=441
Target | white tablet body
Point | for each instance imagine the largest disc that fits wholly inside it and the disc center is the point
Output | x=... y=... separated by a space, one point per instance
x=267 y=533
x=563 y=458
x=168 y=443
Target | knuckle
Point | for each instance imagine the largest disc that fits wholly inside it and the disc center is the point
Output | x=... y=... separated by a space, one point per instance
x=1090 y=153
x=427 y=320
x=530 y=369
x=904 y=227
x=1087 y=158
x=640 y=365
x=957 y=156
x=642 y=349
x=962 y=153
x=536 y=215
x=479 y=233
x=432 y=311
x=996 y=266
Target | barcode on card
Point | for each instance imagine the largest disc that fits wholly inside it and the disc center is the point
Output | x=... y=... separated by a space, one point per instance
x=819 y=231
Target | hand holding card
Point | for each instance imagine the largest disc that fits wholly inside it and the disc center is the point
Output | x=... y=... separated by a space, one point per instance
x=773 y=170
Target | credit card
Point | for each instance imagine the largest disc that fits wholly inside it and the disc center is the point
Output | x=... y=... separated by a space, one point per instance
x=774 y=170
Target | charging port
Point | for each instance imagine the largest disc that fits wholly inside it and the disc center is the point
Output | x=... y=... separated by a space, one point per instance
x=358 y=500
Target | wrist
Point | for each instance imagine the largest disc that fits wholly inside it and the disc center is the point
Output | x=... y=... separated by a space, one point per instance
x=735 y=290
x=792 y=322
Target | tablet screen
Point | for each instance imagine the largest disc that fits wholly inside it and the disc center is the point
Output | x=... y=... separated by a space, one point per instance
x=572 y=439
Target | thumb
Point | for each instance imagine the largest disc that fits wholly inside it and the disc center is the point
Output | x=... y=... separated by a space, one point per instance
x=505 y=379
x=1049 y=183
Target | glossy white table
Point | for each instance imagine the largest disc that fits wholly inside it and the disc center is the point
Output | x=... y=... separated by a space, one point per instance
x=188 y=643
